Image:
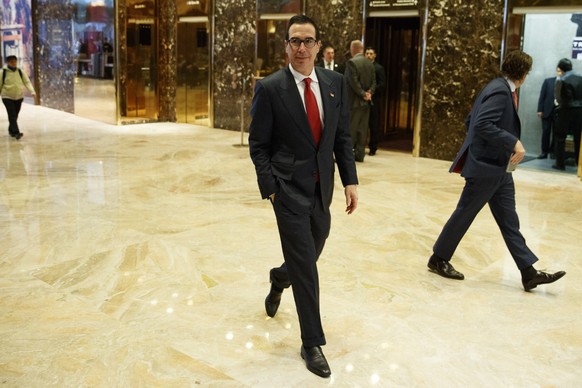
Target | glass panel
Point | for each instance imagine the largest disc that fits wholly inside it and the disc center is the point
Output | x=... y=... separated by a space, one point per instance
x=192 y=96
x=270 y=46
x=93 y=34
x=141 y=85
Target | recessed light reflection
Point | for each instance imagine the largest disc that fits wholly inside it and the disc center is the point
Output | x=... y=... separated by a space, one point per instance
x=267 y=335
x=154 y=302
x=287 y=326
x=169 y=310
x=349 y=368
x=175 y=295
x=190 y=302
x=374 y=379
x=229 y=335
x=250 y=326
x=249 y=345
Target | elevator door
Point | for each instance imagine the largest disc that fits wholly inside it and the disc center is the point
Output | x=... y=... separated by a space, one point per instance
x=192 y=94
x=396 y=41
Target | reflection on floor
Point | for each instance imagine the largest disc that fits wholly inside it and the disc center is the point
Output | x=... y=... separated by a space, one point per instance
x=546 y=165
x=138 y=256
x=95 y=99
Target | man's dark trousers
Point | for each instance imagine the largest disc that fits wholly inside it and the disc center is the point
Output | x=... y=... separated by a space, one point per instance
x=12 y=109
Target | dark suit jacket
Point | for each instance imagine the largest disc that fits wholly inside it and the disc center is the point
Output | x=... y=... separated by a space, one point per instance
x=493 y=128
x=282 y=147
x=569 y=91
x=361 y=76
x=546 y=99
x=336 y=66
x=380 y=81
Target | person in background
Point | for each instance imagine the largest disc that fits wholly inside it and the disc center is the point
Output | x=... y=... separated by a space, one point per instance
x=491 y=145
x=546 y=105
x=299 y=125
x=361 y=78
x=12 y=83
x=569 y=118
x=328 y=60
x=375 y=108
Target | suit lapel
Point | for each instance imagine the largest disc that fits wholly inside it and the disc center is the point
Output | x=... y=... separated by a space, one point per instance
x=292 y=100
x=328 y=99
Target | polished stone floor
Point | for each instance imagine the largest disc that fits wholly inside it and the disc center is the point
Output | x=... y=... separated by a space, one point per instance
x=138 y=256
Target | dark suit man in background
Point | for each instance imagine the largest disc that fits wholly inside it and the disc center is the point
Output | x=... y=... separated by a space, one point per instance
x=299 y=125
x=361 y=78
x=375 y=108
x=546 y=105
x=328 y=60
x=492 y=143
x=569 y=97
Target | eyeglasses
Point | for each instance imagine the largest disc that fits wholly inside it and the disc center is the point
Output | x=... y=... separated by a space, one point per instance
x=307 y=42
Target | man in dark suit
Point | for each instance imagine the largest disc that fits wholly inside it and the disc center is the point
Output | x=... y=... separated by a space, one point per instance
x=546 y=104
x=361 y=78
x=328 y=60
x=375 y=108
x=491 y=145
x=569 y=97
x=299 y=124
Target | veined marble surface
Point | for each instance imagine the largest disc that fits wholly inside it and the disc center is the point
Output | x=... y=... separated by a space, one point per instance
x=138 y=256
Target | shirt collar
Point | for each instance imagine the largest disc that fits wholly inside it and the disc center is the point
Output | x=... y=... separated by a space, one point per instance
x=511 y=85
x=300 y=77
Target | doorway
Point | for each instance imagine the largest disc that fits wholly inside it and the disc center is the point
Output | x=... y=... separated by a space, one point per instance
x=396 y=41
x=192 y=91
x=547 y=37
x=93 y=37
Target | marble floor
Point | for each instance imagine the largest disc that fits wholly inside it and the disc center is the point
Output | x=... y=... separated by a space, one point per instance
x=138 y=256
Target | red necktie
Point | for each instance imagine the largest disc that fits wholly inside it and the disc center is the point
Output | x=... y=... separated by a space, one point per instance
x=514 y=98
x=312 y=111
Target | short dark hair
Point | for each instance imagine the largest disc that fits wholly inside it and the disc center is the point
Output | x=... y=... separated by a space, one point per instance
x=371 y=48
x=302 y=19
x=516 y=65
x=11 y=58
x=565 y=64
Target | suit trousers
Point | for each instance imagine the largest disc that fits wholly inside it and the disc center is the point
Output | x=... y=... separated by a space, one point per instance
x=374 y=122
x=302 y=239
x=499 y=192
x=359 y=130
x=547 y=146
x=12 y=110
x=569 y=119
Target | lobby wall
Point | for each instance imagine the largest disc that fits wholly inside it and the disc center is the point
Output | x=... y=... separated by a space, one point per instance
x=463 y=47
x=54 y=53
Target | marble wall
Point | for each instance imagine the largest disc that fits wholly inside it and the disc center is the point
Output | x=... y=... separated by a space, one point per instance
x=339 y=23
x=463 y=47
x=167 y=60
x=54 y=53
x=233 y=56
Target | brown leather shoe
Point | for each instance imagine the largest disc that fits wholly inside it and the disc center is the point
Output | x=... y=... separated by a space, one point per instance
x=541 y=278
x=315 y=361
x=444 y=268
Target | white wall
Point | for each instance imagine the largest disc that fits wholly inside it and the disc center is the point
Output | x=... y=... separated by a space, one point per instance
x=547 y=38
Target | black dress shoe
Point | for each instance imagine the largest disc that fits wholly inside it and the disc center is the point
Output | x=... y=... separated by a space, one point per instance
x=556 y=167
x=542 y=156
x=315 y=361
x=372 y=153
x=541 y=278
x=18 y=136
x=272 y=301
x=444 y=268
